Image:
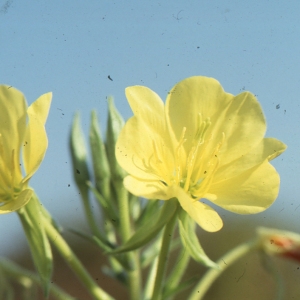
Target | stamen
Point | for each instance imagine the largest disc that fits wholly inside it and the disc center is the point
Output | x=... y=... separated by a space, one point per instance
x=202 y=186
x=194 y=152
x=178 y=170
x=12 y=173
x=150 y=165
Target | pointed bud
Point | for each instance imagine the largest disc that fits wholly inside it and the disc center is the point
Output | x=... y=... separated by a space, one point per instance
x=280 y=242
x=100 y=160
x=114 y=125
x=79 y=155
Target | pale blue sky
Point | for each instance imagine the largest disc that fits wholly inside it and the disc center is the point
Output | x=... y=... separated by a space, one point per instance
x=70 y=47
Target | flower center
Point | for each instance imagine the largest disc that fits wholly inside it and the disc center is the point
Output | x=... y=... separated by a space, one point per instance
x=201 y=162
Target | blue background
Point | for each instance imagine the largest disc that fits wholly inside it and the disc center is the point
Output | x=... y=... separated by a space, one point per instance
x=70 y=48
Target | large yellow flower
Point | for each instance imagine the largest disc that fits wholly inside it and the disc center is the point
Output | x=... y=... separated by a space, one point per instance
x=20 y=128
x=203 y=144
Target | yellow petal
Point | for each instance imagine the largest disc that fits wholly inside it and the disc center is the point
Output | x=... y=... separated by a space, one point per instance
x=147 y=189
x=268 y=149
x=250 y=192
x=191 y=97
x=145 y=104
x=244 y=126
x=15 y=204
x=40 y=107
x=204 y=215
x=240 y=118
x=35 y=141
x=12 y=129
x=143 y=151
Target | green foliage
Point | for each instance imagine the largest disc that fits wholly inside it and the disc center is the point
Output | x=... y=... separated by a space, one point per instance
x=115 y=123
x=32 y=221
x=79 y=155
x=150 y=229
x=190 y=240
x=99 y=158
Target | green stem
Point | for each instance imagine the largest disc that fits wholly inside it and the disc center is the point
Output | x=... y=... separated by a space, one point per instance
x=89 y=214
x=224 y=262
x=73 y=262
x=163 y=257
x=178 y=270
x=271 y=267
x=150 y=280
x=19 y=273
x=134 y=275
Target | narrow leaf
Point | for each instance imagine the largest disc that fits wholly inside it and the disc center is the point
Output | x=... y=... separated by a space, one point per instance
x=150 y=229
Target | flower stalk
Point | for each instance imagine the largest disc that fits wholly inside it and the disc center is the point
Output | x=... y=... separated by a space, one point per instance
x=134 y=274
x=74 y=263
x=163 y=258
x=224 y=262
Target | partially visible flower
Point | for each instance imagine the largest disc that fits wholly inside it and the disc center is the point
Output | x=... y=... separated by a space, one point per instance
x=22 y=128
x=203 y=144
x=280 y=242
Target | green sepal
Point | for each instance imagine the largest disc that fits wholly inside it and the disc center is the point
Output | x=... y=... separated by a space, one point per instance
x=32 y=221
x=115 y=123
x=99 y=157
x=79 y=155
x=150 y=229
x=151 y=207
x=187 y=230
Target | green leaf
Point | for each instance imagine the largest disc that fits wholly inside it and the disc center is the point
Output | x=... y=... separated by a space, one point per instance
x=100 y=160
x=114 y=125
x=150 y=229
x=79 y=155
x=31 y=219
x=190 y=240
x=104 y=245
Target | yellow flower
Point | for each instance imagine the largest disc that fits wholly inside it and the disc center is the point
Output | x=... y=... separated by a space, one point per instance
x=16 y=133
x=203 y=144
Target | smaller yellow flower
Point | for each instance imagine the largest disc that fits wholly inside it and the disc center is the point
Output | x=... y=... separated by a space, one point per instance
x=202 y=144
x=21 y=127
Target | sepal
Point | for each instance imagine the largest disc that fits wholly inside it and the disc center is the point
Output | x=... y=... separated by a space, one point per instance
x=187 y=230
